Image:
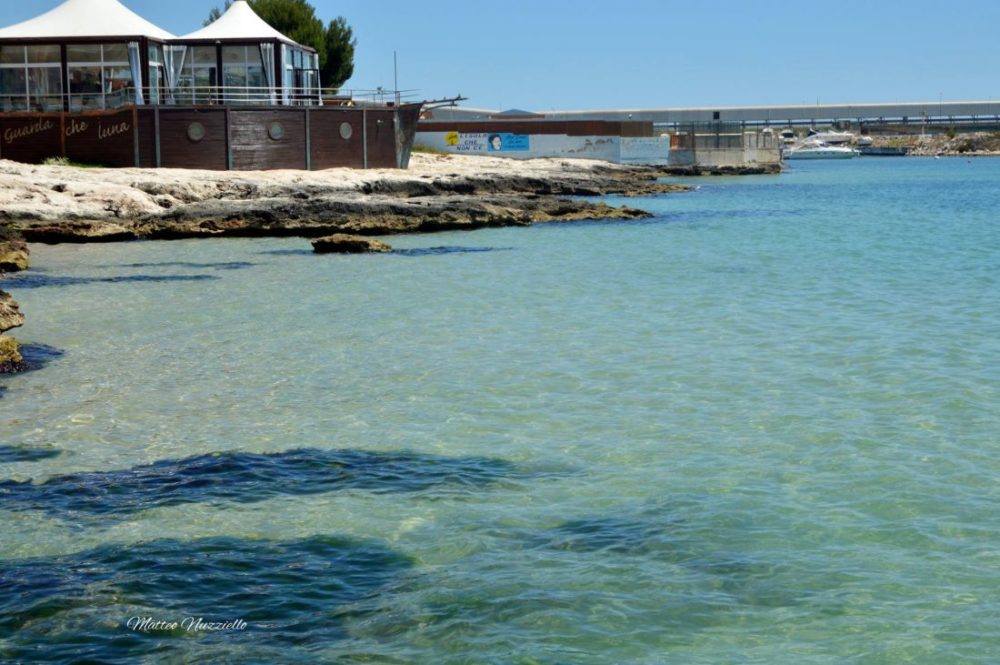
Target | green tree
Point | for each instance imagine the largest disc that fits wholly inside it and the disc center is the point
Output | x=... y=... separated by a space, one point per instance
x=340 y=43
x=297 y=20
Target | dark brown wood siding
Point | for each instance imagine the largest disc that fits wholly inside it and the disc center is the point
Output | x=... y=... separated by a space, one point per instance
x=272 y=139
x=381 y=139
x=179 y=151
x=214 y=137
x=329 y=147
x=147 y=138
x=30 y=138
x=106 y=138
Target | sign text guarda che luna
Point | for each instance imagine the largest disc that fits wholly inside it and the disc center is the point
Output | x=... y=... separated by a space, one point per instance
x=73 y=127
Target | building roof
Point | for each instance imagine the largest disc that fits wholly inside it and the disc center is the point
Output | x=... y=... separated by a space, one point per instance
x=240 y=22
x=85 y=18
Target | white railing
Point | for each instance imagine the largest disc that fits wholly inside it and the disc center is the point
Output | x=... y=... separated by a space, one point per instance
x=205 y=95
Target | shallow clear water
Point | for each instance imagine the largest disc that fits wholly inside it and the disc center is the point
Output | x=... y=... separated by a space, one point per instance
x=759 y=428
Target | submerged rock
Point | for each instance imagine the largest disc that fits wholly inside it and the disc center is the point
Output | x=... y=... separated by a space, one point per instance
x=13 y=250
x=10 y=313
x=342 y=243
x=10 y=355
x=13 y=255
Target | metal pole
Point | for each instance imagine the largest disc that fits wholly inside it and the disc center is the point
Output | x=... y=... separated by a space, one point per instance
x=395 y=76
x=364 y=135
x=308 y=141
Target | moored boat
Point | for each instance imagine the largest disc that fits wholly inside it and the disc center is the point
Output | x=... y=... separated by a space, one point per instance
x=819 y=150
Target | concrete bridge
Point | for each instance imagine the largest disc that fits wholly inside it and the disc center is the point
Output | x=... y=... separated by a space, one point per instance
x=917 y=114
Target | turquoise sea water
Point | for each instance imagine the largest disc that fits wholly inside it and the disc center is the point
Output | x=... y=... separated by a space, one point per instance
x=761 y=427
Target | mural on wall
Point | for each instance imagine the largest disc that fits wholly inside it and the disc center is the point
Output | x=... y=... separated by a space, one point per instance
x=508 y=143
x=482 y=142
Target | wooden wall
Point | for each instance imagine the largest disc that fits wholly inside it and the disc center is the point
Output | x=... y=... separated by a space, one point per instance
x=268 y=139
x=30 y=138
x=329 y=149
x=216 y=138
x=178 y=150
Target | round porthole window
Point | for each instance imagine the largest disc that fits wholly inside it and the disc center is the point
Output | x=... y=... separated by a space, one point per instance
x=196 y=132
x=346 y=131
x=276 y=131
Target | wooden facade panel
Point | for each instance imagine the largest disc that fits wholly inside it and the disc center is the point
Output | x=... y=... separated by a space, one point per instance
x=103 y=138
x=147 y=138
x=271 y=139
x=30 y=138
x=381 y=139
x=329 y=147
x=212 y=138
x=178 y=149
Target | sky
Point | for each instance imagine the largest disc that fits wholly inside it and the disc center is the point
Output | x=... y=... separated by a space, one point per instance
x=545 y=55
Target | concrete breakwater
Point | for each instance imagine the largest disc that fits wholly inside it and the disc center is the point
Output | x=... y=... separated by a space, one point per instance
x=64 y=204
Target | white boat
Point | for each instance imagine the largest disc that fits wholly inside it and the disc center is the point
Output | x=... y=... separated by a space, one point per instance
x=864 y=141
x=832 y=137
x=819 y=150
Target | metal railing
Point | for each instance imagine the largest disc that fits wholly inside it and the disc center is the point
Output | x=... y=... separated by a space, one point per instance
x=202 y=96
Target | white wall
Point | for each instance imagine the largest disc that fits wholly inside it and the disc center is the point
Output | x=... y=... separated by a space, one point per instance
x=608 y=148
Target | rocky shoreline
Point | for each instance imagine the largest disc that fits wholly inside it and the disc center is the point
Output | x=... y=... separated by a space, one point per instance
x=66 y=204
x=54 y=204
x=967 y=144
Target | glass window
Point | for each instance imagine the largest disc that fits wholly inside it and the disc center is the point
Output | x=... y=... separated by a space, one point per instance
x=83 y=53
x=11 y=55
x=156 y=83
x=243 y=74
x=203 y=55
x=157 y=77
x=85 y=88
x=117 y=81
x=98 y=76
x=44 y=55
x=45 y=88
x=13 y=89
x=116 y=53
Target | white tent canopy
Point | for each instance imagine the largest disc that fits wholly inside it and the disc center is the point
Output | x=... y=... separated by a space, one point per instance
x=240 y=22
x=86 y=18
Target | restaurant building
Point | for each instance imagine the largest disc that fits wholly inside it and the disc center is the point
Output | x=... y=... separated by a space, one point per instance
x=94 y=82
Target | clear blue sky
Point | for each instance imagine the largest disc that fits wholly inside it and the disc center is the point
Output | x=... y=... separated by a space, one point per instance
x=564 y=54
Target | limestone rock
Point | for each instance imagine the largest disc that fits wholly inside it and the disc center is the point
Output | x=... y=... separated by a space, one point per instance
x=10 y=355
x=342 y=243
x=78 y=231
x=13 y=255
x=10 y=314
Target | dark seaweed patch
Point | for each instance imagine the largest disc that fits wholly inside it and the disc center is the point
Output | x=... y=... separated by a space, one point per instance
x=297 y=593
x=222 y=265
x=288 y=252
x=740 y=578
x=39 y=281
x=437 y=251
x=38 y=356
x=238 y=477
x=24 y=454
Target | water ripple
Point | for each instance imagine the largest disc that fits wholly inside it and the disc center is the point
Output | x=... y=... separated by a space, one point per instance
x=291 y=594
